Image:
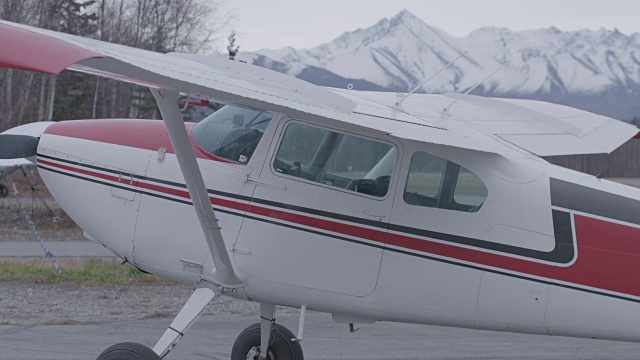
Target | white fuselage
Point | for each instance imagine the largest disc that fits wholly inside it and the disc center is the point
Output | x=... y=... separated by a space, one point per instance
x=532 y=259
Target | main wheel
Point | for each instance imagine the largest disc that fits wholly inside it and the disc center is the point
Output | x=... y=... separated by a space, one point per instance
x=247 y=345
x=128 y=351
x=4 y=191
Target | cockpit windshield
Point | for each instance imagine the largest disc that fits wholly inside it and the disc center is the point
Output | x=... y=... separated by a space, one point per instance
x=232 y=133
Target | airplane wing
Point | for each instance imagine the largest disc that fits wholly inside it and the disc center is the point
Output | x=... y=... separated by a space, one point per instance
x=547 y=129
x=475 y=123
x=229 y=81
x=207 y=78
x=540 y=128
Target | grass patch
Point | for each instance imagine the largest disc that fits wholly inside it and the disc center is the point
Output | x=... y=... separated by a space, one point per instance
x=88 y=272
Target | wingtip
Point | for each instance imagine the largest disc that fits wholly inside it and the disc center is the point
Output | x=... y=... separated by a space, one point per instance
x=35 y=51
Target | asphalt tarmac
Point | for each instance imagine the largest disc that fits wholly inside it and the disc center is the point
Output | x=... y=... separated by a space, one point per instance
x=212 y=337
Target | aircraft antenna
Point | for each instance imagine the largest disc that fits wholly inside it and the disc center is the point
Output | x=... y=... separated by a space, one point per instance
x=398 y=105
x=448 y=107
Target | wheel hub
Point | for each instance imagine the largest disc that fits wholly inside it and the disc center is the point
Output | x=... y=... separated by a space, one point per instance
x=254 y=354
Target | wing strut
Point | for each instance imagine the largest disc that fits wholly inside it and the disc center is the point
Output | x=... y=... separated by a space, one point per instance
x=223 y=274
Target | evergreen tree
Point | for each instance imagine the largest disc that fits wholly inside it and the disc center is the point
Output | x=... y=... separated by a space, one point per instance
x=232 y=47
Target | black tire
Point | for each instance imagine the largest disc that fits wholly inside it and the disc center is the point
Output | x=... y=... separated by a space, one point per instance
x=280 y=348
x=4 y=191
x=128 y=351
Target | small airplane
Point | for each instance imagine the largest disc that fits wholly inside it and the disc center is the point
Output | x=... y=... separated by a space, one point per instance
x=426 y=209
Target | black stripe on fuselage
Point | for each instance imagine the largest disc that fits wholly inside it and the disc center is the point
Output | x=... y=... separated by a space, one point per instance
x=560 y=254
x=563 y=218
x=595 y=202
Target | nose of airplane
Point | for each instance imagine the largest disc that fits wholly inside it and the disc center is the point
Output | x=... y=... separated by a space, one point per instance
x=93 y=168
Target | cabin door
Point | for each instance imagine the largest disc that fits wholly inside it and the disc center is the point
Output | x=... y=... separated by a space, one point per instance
x=437 y=233
x=320 y=210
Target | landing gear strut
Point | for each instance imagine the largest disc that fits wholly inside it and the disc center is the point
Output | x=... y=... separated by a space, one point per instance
x=190 y=312
x=247 y=345
x=261 y=341
x=266 y=340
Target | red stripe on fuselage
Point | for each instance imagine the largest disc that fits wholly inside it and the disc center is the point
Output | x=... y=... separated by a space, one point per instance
x=145 y=185
x=607 y=255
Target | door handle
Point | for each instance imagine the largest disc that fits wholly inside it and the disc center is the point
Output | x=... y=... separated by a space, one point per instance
x=374 y=214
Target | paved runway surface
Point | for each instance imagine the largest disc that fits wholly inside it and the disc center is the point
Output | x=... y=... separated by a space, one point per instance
x=59 y=249
x=212 y=337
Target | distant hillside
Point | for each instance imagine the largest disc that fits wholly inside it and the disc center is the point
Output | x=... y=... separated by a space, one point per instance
x=598 y=71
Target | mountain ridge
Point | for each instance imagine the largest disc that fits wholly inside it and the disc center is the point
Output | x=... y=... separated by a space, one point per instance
x=595 y=70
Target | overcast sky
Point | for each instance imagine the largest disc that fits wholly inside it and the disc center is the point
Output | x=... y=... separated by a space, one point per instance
x=306 y=23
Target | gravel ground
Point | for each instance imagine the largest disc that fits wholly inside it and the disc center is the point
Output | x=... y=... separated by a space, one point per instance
x=43 y=304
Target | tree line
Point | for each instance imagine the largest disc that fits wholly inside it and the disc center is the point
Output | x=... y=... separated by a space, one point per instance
x=192 y=26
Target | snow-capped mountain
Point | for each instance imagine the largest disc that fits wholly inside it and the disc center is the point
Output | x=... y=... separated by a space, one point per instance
x=594 y=70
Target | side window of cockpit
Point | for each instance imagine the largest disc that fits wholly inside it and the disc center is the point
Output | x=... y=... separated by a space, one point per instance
x=336 y=159
x=439 y=183
x=469 y=191
x=232 y=133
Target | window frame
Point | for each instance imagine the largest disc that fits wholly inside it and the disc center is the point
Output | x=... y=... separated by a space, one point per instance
x=209 y=155
x=452 y=187
x=396 y=167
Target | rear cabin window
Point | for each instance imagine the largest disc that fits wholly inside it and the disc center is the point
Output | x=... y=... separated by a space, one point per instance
x=439 y=183
x=334 y=159
x=232 y=133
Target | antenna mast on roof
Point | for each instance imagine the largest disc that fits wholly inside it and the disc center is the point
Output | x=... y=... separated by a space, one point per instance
x=398 y=105
x=445 y=111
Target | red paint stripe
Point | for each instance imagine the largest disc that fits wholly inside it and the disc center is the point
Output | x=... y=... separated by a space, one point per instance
x=336 y=227
x=82 y=171
x=145 y=185
x=142 y=134
x=436 y=248
x=135 y=133
x=27 y=50
x=229 y=204
x=608 y=256
x=608 y=253
x=161 y=189
x=185 y=194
